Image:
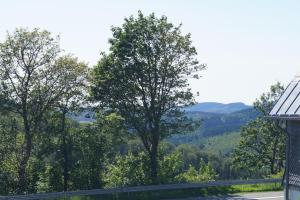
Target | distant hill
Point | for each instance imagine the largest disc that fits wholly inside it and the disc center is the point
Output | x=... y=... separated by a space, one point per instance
x=214 y=107
x=214 y=124
x=219 y=131
x=217 y=119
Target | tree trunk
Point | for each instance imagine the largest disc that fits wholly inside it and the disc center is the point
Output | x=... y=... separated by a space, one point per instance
x=22 y=175
x=154 y=163
x=65 y=151
x=154 y=152
x=274 y=151
x=26 y=152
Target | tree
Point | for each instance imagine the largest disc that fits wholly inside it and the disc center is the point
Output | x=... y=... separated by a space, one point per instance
x=93 y=145
x=71 y=99
x=145 y=79
x=31 y=82
x=261 y=150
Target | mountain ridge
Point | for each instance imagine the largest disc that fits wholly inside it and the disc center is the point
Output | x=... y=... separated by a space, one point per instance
x=216 y=107
x=203 y=108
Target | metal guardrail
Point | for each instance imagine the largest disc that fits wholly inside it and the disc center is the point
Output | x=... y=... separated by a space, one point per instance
x=139 y=189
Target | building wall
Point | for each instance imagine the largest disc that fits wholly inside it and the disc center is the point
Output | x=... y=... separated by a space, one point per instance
x=293 y=129
x=294 y=194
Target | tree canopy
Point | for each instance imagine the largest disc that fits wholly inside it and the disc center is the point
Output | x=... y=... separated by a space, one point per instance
x=262 y=147
x=144 y=77
x=31 y=82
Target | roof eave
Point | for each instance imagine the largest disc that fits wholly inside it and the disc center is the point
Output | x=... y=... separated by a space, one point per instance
x=284 y=117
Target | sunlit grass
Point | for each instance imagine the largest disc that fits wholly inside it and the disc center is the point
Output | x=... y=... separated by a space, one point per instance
x=257 y=187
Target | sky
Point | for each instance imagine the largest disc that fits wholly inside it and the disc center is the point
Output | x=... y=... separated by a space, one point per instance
x=247 y=45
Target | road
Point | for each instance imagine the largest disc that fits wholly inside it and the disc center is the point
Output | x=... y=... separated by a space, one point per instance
x=246 y=196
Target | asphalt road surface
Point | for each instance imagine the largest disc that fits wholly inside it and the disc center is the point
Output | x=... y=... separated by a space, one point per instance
x=246 y=196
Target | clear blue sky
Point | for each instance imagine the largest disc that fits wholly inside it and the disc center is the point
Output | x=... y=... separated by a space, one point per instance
x=247 y=45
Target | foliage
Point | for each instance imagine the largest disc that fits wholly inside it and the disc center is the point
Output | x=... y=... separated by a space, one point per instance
x=91 y=145
x=10 y=140
x=221 y=144
x=127 y=171
x=170 y=167
x=139 y=89
x=262 y=148
x=205 y=173
x=145 y=79
x=32 y=83
x=215 y=124
x=132 y=170
x=191 y=155
x=72 y=98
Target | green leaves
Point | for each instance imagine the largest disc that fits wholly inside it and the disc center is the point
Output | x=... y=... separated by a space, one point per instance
x=147 y=68
x=266 y=101
x=144 y=78
x=262 y=147
x=141 y=84
x=131 y=169
x=35 y=82
x=204 y=174
x=128 y=170
x=25 y=56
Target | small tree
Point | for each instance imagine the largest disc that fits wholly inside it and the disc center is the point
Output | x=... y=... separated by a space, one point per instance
x=145 y=78
x=93 y=145
x=205 y=173
x=72 y=98
x=261 y=149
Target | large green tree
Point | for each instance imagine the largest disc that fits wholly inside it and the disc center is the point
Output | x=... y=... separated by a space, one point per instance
x=144 y=77
x=261 y=149
x=31 y=83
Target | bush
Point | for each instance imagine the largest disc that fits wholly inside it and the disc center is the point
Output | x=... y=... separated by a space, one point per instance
x=205 y=173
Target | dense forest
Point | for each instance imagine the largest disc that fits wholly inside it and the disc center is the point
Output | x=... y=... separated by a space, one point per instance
x=140 y=133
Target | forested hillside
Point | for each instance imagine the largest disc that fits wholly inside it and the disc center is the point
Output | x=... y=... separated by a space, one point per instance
x=219 y=132
x=213 y=124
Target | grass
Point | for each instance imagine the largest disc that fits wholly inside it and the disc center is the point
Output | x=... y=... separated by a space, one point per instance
x=184 y=193
x=257 y=188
